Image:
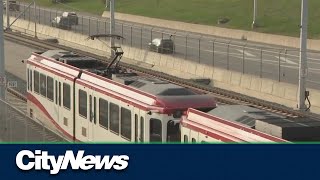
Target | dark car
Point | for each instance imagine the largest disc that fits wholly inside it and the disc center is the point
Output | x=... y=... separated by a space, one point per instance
x=72 y=17
x=162 y=45
x=61 y=22
x=13 y=6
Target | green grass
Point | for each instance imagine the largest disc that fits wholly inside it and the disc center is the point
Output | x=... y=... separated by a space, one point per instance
x=274 y=16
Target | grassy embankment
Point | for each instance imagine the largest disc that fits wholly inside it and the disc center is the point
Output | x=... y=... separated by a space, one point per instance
x=274 y=16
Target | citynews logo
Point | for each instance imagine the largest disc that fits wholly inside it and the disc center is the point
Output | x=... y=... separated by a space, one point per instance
x=40 y=160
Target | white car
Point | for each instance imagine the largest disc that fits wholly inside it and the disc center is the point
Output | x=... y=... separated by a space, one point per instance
x=72 y=17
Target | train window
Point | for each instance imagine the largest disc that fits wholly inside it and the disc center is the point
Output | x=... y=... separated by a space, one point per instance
x=50 y=88
x=36 y=81
x=28 y=79
x=141 y=129
x=185 y=138
x=56 y=92
x=194 y=140
x=83 y=103
x=155 y=130
x=90 y=108
x=126 y=123
x=59 y=94
x=66 y=96
x=29 y=84
x=173 y=132
x=94 y=111
x=136 y=128
x=103 y=113
x=43 y=85
x=114 y=118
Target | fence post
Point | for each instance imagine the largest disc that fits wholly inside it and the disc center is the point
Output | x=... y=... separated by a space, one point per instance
x=228 y=55
x=243 y=56
x=174 y=40
x=89 y=26
x=141 y=38
x=24 y=14
x=98 y=26
x=213 y=52
x=50 y=16
x=39 y=14
x=261 y=63
x=131 y=36
x=199 y=50
x=151 y=31
x=122 y=33
x=29 y=13
x=279 y=66
x=105 y=29
x=82 y=24
x=186 y=55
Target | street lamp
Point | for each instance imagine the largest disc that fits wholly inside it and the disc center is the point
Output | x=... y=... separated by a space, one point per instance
x=303 y=55
x=2 y=62
x=112 y=25
x=255 y=11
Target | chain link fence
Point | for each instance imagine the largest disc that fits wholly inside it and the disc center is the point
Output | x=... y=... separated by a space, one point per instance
x=15 y=125
x=241 y=56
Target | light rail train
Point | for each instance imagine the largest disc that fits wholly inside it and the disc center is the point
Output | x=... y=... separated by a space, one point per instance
x=90 y=101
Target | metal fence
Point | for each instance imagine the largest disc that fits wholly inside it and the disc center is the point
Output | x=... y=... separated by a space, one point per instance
x=15 y=126
x=245 y=57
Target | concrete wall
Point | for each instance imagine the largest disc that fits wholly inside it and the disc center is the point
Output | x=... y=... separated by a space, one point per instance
x=254 y=86
x=217 y=31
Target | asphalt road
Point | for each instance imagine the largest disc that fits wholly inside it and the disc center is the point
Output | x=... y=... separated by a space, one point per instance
x=267 y=61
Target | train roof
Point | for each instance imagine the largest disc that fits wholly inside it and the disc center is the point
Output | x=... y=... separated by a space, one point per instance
x=148 y=90
x=225 y=130
x=245 y=115
x=153 y=86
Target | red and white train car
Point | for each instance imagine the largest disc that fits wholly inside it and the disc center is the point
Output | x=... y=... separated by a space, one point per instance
x=72 y=95
x=202 y=127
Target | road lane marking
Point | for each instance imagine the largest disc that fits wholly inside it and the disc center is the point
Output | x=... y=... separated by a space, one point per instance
x=245 y=52
x=286 y=60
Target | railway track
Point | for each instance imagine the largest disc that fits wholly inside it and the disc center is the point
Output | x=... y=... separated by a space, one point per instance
x=17 y=127
x=222 y=96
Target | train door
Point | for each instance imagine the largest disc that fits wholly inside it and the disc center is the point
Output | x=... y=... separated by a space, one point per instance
x=65 y=101
x=92 y=116
x=56 y=100
x=82 y=112
x=154 y=127
x=137 y=128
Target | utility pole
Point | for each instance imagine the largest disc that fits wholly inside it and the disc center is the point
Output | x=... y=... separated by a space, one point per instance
x=303 y=55
x=7 y=14
x=112 y=27
x=35 y=19
x=255 y=11
x=2 y=62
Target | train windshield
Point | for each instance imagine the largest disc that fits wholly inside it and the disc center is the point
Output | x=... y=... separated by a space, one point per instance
x=173 y=131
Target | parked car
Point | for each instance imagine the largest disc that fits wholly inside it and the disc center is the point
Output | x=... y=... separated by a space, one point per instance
x=13 y=6
x=61 y=22
x=162 y=45
x=72 y=16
